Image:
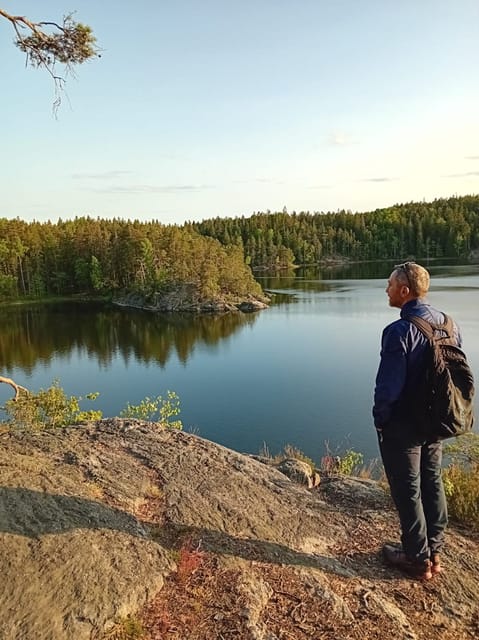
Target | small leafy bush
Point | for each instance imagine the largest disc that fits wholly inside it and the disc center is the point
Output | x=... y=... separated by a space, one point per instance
x=462 y=490
x=53 y=408
x=347 y=463
x=350 y=462
x=461 y=479
x=157 y=409
x=48 y=408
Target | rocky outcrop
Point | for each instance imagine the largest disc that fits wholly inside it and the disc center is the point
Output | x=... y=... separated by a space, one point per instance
x=299 y=471
x=185 y=298
x=126 y=521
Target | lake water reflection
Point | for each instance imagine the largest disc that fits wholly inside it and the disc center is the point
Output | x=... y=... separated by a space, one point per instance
x=301 y=372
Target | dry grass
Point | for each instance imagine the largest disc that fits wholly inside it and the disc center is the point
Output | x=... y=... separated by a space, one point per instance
x=462 y=487
x=129 y=628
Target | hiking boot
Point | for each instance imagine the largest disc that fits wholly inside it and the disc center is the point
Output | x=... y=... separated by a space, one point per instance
x=436 y=566
x=418 y=569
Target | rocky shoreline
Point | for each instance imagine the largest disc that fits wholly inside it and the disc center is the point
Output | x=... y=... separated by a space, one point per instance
x=185 y=299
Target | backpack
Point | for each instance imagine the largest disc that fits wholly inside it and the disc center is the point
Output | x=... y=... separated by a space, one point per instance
x=448 y=392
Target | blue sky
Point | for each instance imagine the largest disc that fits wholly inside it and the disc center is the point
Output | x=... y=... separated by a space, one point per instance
x=225 y=107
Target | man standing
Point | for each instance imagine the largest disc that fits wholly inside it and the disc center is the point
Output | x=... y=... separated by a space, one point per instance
x=412 y=465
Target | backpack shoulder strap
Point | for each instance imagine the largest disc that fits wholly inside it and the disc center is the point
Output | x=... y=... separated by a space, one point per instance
x=429 y=328
x=424 y=326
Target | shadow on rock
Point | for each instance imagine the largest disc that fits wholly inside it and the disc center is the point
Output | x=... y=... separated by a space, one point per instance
x=173 y=536
x=34 y=513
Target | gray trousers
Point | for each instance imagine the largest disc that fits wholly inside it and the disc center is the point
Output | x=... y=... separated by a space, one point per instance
x=413 y=471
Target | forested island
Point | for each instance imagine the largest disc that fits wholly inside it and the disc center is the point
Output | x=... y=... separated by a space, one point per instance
x=208 y=265
x=140 y=264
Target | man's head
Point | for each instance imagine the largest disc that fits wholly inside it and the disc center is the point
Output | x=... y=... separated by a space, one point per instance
x=407 y=282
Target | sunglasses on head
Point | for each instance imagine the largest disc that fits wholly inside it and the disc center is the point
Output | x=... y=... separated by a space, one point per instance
x=404 y=267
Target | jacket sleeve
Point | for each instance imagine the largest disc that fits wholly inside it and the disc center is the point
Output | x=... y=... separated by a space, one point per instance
x=391 y=375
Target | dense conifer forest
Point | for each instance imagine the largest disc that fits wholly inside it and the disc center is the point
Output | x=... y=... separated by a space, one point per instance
x=97 y=256
x=442 y=228
x=111 y=256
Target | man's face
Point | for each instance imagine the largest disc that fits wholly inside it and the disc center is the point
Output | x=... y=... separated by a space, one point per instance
x=397 y=292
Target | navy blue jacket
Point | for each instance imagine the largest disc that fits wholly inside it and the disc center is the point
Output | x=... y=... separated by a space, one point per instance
x=403 y=352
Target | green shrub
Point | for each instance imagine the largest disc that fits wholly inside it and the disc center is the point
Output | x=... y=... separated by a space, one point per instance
x=48 y=408
x=462 y=490
x=461 y=479
x=350 y=462
x=347 y=463
x=53 y=408
x=157 y=409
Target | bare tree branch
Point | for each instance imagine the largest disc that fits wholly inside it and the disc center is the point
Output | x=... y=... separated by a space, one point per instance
x=47 y=44
x=13 y=384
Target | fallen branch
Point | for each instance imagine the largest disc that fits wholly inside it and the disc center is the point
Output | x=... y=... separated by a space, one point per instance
x=13 y=384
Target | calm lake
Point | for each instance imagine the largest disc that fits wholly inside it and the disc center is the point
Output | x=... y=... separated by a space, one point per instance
x=301 y=372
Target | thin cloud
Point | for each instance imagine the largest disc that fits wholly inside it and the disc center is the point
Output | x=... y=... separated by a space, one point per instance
x=149 y=188
x=103 y=175
x=340 y=139
x=471 y=157
x=260 y=180
x=466 y=174
x=378 y=179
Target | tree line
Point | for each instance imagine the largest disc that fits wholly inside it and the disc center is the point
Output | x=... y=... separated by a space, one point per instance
x=95 y=256
x=87 y=255
x=442 y=228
